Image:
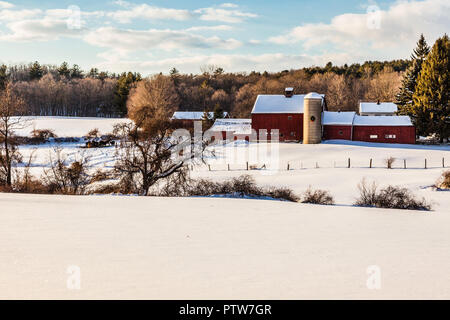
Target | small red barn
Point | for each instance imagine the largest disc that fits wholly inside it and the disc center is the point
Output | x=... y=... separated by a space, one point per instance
x=386 y=129
x=234 y=129
x=337 y=125
x=279 y=112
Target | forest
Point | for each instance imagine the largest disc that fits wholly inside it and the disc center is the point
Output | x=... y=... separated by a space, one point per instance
x=51 y=90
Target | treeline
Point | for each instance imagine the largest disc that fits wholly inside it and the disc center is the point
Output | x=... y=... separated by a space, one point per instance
x=50 y=90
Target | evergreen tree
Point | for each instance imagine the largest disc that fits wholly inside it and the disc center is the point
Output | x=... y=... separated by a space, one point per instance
x=64 y=70
x=93 y=73
x=76 y=72
x=36 y=71
x=405 y=96
x=218 y=112
x=431 y=98
x=123 y=87
x=3 y=77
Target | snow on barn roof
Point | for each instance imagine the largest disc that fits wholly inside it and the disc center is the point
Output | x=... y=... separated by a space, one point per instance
x=382 y=121
x=236 y=126
x=340 y=118
x=375 y=107
x=266 y=103
x=193 y=115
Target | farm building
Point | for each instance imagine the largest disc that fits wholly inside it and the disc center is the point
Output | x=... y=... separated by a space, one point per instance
x=235 y=129
x=377 y=108
x=386 y=129
x=282 y=112
x=305 y=117
x=337 y=125
x=188 y=117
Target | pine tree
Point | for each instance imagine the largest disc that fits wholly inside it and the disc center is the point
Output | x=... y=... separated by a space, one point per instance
x=431 y=98
x=405 y=96
x=3 y=77
x=63 y=70
x=76 y=72
x=36 y=71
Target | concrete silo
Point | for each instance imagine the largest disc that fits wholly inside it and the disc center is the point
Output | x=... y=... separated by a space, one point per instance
x=312 y=118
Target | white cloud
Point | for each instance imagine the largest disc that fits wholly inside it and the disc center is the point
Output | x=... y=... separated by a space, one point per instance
x=127 y=40
x=147 y=12
x=225 y=13
x=222 y=27
x=39 y=30
x=17 y=15
x=6 y=5
x=399 y=28
x=230 y=62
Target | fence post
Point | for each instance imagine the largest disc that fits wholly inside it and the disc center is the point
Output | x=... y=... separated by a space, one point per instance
x=404 y=163
x=370 y=164
x=349 y=162
x=228 y=167
x=425 y=163
x=209 y=167
x=247 y=165
x=288 y=166
x=443 y=162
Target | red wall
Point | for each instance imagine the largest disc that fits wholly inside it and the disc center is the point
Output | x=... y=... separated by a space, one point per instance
x=337 y=132
x=280 y=121
x=403 y=134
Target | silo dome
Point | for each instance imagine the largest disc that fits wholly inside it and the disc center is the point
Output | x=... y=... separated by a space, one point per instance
x=312 y=118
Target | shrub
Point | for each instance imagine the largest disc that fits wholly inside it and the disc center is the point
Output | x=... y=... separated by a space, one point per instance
x=390 y=197
x=444 y=180
x=39 y=136
x=94 y=133
x=389 y=162
x=317 y=197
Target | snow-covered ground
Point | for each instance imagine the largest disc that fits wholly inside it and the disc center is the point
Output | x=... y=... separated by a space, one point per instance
x=159 y=248
x=130 y=247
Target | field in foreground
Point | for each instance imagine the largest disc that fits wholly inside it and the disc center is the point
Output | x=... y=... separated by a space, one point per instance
x=159 y=248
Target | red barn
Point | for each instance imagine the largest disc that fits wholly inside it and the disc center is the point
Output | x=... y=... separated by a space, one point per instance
x=279 y=112
x=386 y=129
x=337 y=125
x=235 y=129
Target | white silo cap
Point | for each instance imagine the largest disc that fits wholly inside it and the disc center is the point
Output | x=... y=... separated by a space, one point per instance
x=313 y=95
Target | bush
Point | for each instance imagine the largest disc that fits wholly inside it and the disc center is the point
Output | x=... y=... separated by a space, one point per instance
x=317 y=197
x=39 y=136
x=390 y=197
x=389 y=162
x=444 y=180
x=243 y=186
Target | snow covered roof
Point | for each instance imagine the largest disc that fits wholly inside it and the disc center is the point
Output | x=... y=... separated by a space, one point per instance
x=314 y=95
x=237 y=126
x=266 y=103
x=340 y=118
x=192 y=115
x=382 y=121
x=374 y=107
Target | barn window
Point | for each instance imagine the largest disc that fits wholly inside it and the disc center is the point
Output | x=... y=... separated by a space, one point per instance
x=341 y=132
x=390 y=136
x=293 y=133
x=373 y=136
x=281 y=135
x=289 y=117
x=313 y=118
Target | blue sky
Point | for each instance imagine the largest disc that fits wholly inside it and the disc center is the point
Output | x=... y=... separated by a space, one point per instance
x=153 y=36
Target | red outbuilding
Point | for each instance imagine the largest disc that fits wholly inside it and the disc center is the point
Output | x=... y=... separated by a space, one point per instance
x=386 y=129
x=337 y=125
x=279 y=112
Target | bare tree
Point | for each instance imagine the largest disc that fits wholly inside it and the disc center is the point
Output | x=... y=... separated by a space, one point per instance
x=11 y=111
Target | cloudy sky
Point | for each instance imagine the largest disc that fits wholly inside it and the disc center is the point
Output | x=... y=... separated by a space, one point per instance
x=245 y=35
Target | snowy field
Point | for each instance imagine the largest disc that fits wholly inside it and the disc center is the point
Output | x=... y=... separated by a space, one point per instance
x=158 y=248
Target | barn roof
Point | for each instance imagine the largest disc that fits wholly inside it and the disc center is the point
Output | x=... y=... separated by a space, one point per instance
x=338 y=118
x=382 y=121
x=266 y=103
x=374 y=107
x=237 y=126
x=192 y=115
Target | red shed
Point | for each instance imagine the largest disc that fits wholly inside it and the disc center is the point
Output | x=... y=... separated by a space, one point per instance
x=282 y=112
x=337 y=125
x=386 y=129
